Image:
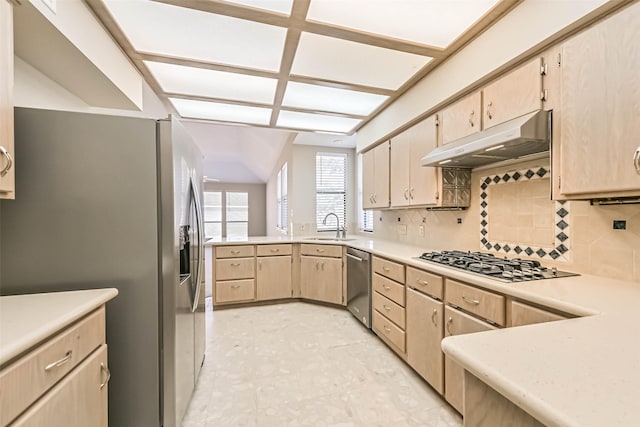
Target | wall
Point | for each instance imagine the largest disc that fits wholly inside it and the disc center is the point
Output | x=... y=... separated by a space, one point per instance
x=34 y=89
x=302 y=206
x=257 y=203
x=595 y=248
x=500 y=45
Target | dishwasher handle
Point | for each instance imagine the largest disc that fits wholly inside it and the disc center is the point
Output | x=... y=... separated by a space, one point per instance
x=356 y=258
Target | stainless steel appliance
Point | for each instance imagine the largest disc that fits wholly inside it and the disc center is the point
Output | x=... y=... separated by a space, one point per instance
x=503 y=269
x=108 y=201
x=523 y=136
x=359 y=285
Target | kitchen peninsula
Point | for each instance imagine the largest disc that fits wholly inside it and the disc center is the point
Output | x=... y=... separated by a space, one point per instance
x=532 y=366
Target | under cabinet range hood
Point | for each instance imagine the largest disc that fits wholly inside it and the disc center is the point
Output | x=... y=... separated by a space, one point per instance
x=523 y=136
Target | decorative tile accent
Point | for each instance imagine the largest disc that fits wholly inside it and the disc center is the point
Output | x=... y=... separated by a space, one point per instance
x=561 y=249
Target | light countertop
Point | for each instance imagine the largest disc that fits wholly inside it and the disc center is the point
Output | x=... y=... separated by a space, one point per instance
x=578 y=372
x=26 y=320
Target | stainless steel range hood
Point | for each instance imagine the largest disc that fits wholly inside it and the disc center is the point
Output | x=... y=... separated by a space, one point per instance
x=516 y=138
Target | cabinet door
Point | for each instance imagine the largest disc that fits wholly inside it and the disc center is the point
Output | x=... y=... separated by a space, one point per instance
x=78 y=400
x=424 y=333
x=368 y=176
x=274 y=277
x=381 y=176
x=514 y=95
x=525 y=314
x=400 y=174
x=458 y=323
x=462 y=118
x=600 y=107
x=321 y=279
x=7 y=154
x=424 y=180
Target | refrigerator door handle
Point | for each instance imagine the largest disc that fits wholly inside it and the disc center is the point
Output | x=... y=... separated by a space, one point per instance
x=198 y=212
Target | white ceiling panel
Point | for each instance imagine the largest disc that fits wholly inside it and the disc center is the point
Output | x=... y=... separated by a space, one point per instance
x=434 y=22
x=186 y=33
x=279 y=6
x=331 y=99
x=294 y=119
x=221 y=112
x=210 y=83
x=346 y=61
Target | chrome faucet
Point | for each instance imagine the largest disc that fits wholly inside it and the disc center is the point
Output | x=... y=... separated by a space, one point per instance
x=339 y=230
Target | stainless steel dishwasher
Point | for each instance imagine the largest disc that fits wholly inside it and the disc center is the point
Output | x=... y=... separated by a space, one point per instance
x=359 y=285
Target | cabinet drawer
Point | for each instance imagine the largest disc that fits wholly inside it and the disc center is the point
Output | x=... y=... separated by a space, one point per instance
x=524 y=314
x=273 y=250
x=389 y=330
x=321 y=250
x=24 y=381
x=235 y=291
x=485 y=304
x=390 y=289
x=390 y=269
x=235 y=268
x=79 y=400
x=430 y=284
x=389 y=309
x=234 y=251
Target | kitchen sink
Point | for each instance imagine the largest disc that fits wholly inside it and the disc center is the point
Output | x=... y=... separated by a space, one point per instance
x=335 y=239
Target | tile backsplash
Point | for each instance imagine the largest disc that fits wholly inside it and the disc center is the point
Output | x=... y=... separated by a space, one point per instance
x=522 y=214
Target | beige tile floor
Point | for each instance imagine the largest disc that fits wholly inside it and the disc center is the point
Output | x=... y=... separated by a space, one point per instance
x=299 y=364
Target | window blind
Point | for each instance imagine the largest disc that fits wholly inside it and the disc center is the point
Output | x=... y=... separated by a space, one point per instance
x=331 y=189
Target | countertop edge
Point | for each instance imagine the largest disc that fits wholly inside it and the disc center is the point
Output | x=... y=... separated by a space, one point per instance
x=38 y=335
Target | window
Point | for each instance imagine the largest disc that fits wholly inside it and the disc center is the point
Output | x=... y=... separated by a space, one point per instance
x=226 y=214
x=367 y=220
x=282 y=205
x=237 y=220
x=331 y=188
x=213 y=214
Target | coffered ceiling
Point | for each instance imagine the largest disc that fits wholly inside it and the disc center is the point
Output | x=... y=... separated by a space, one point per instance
x=314 y=65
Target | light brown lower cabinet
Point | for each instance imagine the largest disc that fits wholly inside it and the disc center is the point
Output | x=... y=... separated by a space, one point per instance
x=424 y=334
x=483 y=406
x=273 y=277
x=79 y=400
x=321 y=279
x=458 y=323
x=525 y=314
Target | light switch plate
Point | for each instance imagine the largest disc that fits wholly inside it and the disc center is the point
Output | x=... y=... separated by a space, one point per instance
x=421 y=230
x=402 y=229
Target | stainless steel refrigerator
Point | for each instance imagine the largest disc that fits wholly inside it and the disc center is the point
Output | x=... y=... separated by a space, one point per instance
x=106 y=201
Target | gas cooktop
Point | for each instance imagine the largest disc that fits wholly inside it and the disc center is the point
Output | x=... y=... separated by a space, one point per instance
x=504 y=269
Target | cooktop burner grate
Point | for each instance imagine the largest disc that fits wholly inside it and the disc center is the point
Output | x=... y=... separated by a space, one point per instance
x=504 y=269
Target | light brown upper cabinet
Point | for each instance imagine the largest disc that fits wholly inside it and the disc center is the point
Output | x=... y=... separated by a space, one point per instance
x=411 y=183
x=517 y=93
x=599 y=142
x=7 y=156
x=375 y=177
x=462 y=118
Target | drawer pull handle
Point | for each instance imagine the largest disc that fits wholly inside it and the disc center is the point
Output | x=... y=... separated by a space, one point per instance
x=636 y=160
x=7 y=156
x=386 y=268
x=235 y=286
x=59 y=362
x=422 y=282
x=235 y=264
x=386 y=329
x=104 y=369
x=386 y=307
x=470 y=300
x=449 y=322
x=235 y=252
x=319 y=250
x=275 y=250
x=386 y=288
x=433 y=317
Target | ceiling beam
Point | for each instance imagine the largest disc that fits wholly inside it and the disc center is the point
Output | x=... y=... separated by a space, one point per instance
x=298 y=15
